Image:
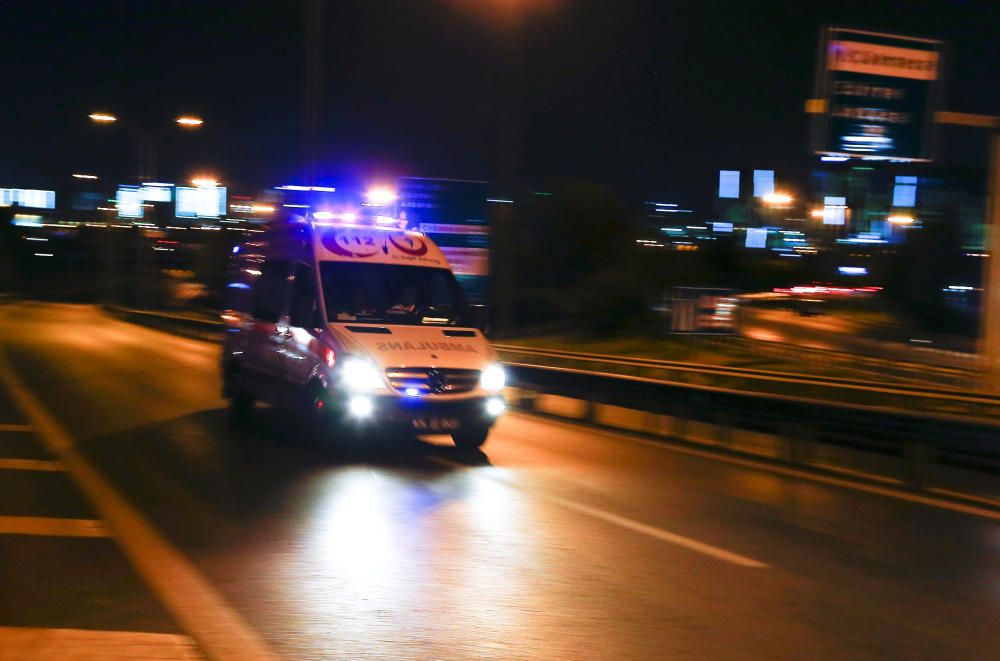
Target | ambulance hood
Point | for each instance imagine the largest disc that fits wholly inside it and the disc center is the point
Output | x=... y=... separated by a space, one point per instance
x=416 y=346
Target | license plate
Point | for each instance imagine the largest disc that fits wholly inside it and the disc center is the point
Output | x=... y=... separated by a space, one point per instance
x=435 y=424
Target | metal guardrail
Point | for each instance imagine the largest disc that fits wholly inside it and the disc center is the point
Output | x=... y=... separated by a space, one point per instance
x=941 y=401
x=187 y=325
x=914 y=449
x=921 y=447
x=959 y=377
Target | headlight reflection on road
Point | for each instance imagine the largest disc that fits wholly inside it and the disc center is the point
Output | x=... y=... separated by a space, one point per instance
x=354 y=538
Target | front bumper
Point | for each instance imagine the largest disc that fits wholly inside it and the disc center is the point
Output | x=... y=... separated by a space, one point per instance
x=426 y=415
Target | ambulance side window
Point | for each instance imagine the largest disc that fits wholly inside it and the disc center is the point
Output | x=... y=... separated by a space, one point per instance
x=305 y=309
x=271 y=291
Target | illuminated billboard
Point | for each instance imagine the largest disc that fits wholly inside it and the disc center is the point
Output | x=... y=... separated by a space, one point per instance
x=756 y=237
x=28 y=197
x=729 y=184
x=202 y=202
x=129 y=202
x=157 y=193
x=878 y=94
x=763 y=183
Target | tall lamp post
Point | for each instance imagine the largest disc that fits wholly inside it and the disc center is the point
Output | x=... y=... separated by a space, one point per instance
x=145 y=139
x=509 y=18
x=989 y=315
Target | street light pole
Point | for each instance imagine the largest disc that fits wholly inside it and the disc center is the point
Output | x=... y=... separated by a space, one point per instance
x=989 y=300
x=146 y=140
x=989 y=335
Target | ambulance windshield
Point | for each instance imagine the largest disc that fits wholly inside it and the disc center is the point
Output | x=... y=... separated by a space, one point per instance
x=391 y=294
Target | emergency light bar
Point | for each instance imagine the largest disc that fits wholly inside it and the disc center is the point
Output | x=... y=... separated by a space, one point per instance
x=331 y=218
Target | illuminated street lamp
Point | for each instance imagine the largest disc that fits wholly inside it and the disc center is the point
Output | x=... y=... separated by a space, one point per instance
x=900 y=219
x=146 y=140
x=777 y=199
x=205 y=182
x=190 y=121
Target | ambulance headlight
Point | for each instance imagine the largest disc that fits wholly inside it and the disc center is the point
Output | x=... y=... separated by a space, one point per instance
x=492 y=378
x=359 y=375
x=360 y=406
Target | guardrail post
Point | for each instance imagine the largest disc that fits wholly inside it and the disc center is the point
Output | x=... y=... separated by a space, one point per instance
x=793 y=435
x=918 y=457
x=590 y=410
x=724 y=423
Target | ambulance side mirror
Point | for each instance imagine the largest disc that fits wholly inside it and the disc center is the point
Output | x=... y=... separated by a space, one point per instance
x=479 y=317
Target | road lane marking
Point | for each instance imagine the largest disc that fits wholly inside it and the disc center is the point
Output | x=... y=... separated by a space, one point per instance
x=33 y=644
x=202 y=612
x=10 y=427
x=762 y=465
x=31 y=465
x=630 y=524
x=52 y=527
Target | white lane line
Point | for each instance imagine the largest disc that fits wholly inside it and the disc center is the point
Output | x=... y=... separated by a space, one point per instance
x=808 y=476
x=32 y=644
x=10 y=427
x=31 y=465
x=52 y=527
x=630 y=524
x=201 y=611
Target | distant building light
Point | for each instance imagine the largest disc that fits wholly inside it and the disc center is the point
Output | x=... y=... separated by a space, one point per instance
x=84 y=176
x=852 y=270
x=777 y=198
x=899 y=219
x=763 y=183
x=834 y=159
x=499 y=200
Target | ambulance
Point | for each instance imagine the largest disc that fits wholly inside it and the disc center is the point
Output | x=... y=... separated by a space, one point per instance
x=355 y=327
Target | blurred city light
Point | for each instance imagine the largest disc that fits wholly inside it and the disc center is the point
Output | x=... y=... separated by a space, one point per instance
x=204 y=182
x=900 y=220
x=84 y=176
x=775 y=199
x=102 y=117
x=190 y=121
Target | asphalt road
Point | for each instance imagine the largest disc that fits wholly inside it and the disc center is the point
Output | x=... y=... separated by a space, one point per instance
x=556 y=542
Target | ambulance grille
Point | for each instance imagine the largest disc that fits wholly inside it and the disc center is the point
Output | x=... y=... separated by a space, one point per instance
x=432 y=380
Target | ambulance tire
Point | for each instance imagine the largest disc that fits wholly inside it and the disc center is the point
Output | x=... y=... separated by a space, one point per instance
x=240 y=408
x=323 y=427
x=317 y=416
x=471 y=437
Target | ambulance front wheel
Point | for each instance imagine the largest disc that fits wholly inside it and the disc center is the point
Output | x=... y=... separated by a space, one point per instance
x=471 y=437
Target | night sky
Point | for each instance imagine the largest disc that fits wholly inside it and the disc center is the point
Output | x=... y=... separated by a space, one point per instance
x=649 y=97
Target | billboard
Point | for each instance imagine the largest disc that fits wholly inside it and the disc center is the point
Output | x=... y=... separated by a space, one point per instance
x=729 y=184
x=202 y=202
x=28 y=197
x=128 y=200
x=454 y=214
x=878 y=93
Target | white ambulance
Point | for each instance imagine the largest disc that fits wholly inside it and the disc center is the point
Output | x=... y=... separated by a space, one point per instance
x=357 y=328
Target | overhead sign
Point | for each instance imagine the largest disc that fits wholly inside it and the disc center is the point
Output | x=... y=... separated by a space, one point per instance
x=878 y=95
